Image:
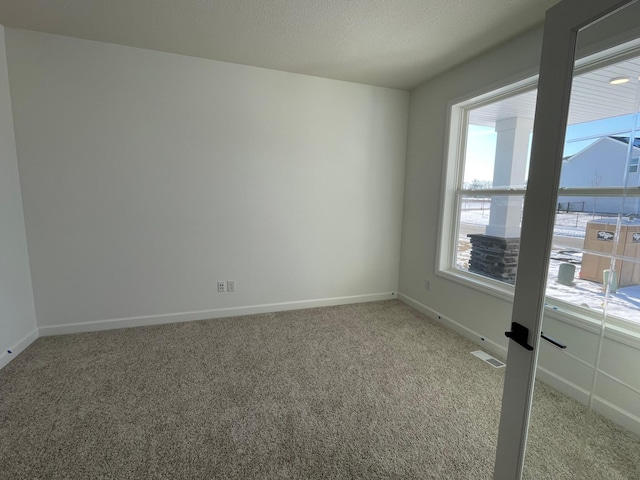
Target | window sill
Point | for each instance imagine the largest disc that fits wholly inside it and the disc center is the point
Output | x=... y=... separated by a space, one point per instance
x=478 y=282
x=616 y=330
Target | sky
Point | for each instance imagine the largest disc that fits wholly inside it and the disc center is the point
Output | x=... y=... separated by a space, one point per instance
x=481 y=143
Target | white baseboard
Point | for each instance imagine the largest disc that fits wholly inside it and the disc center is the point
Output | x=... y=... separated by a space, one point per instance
x=6 y=357
x=601 y=405
x=110 y=324
x=487 y=343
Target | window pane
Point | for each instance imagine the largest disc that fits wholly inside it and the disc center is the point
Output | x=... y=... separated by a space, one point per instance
x=479 y=157
x=498 y=143
x=586 y=247
x=602 y=160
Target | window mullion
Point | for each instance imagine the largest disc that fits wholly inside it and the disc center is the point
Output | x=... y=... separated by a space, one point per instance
x=489 y=192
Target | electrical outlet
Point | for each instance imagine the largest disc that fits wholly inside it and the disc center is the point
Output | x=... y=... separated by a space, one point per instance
x=427 y=285
x=220 y=286
x=231 y=285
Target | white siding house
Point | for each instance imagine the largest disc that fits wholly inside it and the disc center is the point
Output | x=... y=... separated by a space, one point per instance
x=601 y=164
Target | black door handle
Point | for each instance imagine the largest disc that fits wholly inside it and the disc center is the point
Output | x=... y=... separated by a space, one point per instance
x=519 y=334
x=552 y=340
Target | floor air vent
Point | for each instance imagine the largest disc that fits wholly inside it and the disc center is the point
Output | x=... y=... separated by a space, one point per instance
x=494 y=362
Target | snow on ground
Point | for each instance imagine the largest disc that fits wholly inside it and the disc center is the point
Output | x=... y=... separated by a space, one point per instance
x=624 y=304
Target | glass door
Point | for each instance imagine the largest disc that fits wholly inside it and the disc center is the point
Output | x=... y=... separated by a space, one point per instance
x=586 y=403
x=579 y=263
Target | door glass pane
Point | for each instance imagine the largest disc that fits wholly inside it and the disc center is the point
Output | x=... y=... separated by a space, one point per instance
x=588 y=242
x=585 y=418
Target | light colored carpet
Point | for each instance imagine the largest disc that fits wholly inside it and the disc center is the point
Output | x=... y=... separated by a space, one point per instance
x=364 y=391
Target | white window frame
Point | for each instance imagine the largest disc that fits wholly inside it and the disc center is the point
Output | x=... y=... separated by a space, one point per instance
x=452 y=190
x=458 y=112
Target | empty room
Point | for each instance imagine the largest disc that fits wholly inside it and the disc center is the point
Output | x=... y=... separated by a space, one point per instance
x=362 y=239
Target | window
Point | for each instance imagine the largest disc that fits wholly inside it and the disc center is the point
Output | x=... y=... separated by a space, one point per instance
x=596 y=239
x=487 y=182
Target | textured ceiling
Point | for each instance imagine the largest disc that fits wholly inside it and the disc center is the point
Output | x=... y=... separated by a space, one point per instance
x=391 y=43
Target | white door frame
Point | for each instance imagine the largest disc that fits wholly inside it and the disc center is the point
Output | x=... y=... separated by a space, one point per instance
x=562 y=23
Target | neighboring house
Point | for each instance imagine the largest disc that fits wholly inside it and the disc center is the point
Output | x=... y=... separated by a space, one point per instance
x=601 y=164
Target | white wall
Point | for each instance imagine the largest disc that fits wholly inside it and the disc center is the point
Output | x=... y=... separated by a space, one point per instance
x=17 y=314
x=481 y=316
x=149 y=176
x=425 y=161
